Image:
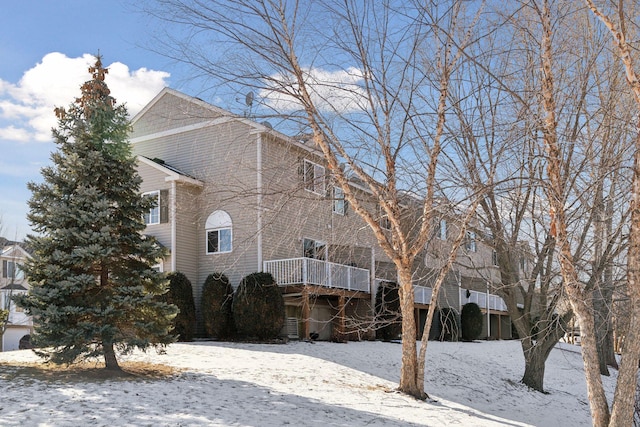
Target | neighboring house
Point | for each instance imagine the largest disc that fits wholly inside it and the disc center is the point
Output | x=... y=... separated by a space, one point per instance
x=12 y=282
x=235 y=196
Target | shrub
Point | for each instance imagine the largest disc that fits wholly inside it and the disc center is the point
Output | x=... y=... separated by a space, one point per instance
x=180 y=293
x=471 y=319
x=449 y=324
x=388 y=318
x=217 y=297
x=258 y=307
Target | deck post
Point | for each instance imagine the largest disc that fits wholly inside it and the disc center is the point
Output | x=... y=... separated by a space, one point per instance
x=341 y=329
x=306 y=312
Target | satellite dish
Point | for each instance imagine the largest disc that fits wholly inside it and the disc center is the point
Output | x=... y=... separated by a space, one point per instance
x=267 y=125
x=248 y=99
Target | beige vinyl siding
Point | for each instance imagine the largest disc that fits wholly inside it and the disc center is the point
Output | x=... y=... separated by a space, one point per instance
x=153 y=180
x=187 y=201
x=224 y=158
x=172 y=111
x=293 y=213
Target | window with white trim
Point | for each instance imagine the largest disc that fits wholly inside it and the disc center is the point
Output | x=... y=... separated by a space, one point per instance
x=442 y=229
x=470 y=243
x=153 y=216
x=314 y=249
x=219 y=235
x=523 y=264
x=383 y=220
x=339 y=202
x=11 y=270
x=313 y=176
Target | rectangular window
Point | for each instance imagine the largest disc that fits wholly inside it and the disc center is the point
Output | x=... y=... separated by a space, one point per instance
x=153 y=216
x=314 y=177
x=314 y=249
x=495 y=257
x=470 y=244
x=339 y=203
x=442 y=230
x=384 y=221
x=11 y=270
x=219 y=241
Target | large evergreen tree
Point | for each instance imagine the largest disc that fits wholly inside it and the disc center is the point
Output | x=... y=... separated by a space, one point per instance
x=92 y=285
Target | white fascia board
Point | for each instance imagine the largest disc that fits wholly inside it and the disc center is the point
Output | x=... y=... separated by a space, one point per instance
x=179 y=130
x=9 y=252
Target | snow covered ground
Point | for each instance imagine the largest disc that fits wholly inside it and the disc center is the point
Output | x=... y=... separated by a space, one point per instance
x=301 y=384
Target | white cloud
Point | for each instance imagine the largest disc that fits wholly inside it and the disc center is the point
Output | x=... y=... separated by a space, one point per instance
x=26 y=107
x=13 y=133
x=338 y=91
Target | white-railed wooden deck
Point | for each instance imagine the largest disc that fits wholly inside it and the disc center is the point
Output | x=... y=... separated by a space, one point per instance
x=309 y=271
x=494 y=302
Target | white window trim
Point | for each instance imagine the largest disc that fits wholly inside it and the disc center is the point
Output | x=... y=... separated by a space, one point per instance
x=14 y=272
x=317 y=182
x=206 y=237
x=471 y=245
x=339 y=201
x=156 y=208
x=317 y=244
x=219 y=220
x=159 y=266
x=442 y=231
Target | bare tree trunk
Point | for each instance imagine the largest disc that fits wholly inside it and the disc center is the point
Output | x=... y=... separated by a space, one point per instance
x=110 y=360
x=624 y=397
x=535 y=357
x=409 y=378
x=556 y=195
x=609 y=342
x=600 y=309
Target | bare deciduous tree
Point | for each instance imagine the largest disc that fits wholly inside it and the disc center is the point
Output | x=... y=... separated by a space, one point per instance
x=370 y=82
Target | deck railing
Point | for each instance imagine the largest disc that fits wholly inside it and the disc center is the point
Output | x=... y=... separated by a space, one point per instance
x=309 y=271
x=422 y=294
x=495 y=302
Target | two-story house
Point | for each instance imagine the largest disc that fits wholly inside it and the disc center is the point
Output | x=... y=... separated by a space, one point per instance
x=236 y=196
x=12 y=282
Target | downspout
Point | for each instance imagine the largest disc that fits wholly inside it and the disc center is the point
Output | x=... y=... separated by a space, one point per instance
x=488 y=314
x=173 y=226
x=259 y=191
x=459 y=280
x=372 y=280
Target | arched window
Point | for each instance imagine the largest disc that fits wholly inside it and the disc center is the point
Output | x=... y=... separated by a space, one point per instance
x=219 y=233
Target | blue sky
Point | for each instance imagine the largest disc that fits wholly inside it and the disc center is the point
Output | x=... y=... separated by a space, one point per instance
x=45 y=47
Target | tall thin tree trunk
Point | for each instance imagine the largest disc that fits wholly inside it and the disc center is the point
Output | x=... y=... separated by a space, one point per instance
x=555 y=191
x=409 y=370
x=609 y=346
x=624 y=397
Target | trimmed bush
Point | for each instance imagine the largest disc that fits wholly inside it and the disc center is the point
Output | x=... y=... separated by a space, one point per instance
x=388 y=317
x=471 y=319
x=258 y=307
x=180 y=293
x=217 y=298
x=449 y=324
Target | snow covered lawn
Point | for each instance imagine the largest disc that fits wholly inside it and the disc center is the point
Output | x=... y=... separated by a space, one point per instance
x=300 y=384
